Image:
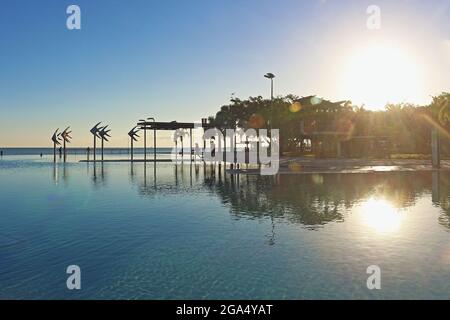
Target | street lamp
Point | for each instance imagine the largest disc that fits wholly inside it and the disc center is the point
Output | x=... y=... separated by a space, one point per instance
x=270 y=76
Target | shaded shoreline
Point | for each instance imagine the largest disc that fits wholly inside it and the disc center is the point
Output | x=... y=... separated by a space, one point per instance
x=322 y=166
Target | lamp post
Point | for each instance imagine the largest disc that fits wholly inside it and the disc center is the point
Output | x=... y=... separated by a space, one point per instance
x=55 y=139
x=133 y=137
x=95 y=130
x=270 y=76
x=66 y=139
x=143 y=123
x=154 y=138
x=145 y=138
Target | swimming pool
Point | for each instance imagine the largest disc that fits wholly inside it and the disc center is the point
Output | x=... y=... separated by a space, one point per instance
x=194 y=232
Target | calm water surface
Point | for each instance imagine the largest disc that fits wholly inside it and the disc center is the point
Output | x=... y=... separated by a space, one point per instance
x=191 y=232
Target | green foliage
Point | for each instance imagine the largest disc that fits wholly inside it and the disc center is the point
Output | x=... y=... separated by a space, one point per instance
x=440 y=107
x=406 y=127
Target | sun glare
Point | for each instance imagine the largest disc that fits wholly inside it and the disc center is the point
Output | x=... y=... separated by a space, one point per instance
x=376 y=75
x=380 y=216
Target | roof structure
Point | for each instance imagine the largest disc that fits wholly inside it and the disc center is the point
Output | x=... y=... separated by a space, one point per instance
x=173 y=125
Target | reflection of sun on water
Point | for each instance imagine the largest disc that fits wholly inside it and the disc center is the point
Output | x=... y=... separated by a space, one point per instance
x=381 y=216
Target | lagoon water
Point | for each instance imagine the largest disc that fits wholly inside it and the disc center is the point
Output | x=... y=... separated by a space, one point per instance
x=192 y=232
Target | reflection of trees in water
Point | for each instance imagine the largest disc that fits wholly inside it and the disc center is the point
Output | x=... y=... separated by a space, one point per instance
x=311 y=200
x=257 y=197
x=441 y=197
x=289 y=197
x=315 y=200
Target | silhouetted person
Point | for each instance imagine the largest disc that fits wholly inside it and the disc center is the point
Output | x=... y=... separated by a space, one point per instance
x=60 y=152
x=197 y=151
x=213 y=148
x=41 y=155
x=247 y=151
x=1 y=153
x=88 y=151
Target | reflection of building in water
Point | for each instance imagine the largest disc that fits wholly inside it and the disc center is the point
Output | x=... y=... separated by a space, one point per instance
x=169 y=178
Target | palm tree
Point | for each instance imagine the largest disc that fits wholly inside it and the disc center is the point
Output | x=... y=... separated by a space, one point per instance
x=441 y=108
x=440 y=111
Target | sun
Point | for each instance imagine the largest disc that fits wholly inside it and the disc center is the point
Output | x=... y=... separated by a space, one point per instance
x=379 y=74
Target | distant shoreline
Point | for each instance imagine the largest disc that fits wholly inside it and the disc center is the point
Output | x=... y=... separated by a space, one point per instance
x=29 y=151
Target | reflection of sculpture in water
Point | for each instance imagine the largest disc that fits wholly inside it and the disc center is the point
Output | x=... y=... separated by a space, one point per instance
x=271 y=237
x=99 y=179
x=55 y=173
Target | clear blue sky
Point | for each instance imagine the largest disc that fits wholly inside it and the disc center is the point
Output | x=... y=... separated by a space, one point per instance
x=183 y=59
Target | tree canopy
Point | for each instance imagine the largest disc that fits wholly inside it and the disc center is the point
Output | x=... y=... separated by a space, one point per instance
x=406 y=126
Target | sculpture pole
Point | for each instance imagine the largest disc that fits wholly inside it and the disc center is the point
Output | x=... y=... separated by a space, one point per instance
x=55 y=139
x=104 y=134
x=95 y=130
x=132 y=156
x=133 y=134
x=66 y=138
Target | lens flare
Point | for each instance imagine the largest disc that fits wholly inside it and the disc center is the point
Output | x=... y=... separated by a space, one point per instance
x=295 y=107
x=256 y=121
x=316 y=100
